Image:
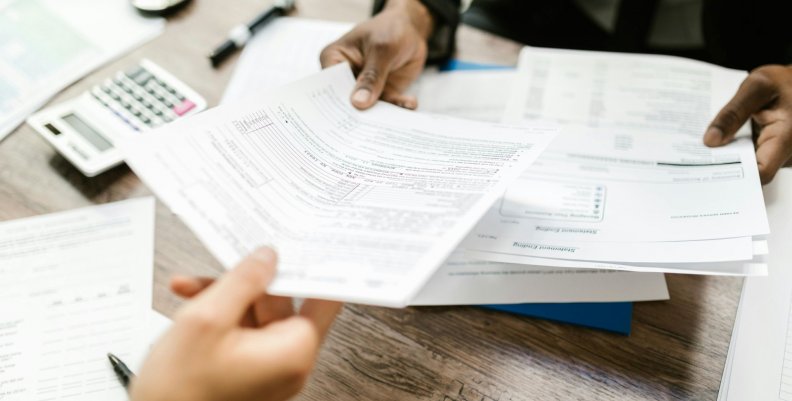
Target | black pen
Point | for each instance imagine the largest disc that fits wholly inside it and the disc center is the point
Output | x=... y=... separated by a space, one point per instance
x=242 y=33
x=123 y=372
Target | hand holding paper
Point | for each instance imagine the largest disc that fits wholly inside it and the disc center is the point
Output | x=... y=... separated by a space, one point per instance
x=232 y=341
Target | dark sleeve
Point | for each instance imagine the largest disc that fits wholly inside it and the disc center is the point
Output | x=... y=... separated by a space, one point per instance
x=446 y=19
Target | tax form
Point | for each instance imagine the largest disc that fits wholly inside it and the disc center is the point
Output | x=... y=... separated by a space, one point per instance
x=361 y=206
x=46 y=45
x=74 y=286
x=628 y=167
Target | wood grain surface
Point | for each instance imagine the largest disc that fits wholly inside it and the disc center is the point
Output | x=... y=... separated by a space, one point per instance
x=677 y=349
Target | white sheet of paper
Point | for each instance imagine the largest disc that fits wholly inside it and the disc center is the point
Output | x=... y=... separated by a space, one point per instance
x=705 y=251
x=619 y=91
x=465 y=281
x=625 y=168
x=362 y=206
x=755 y=267
x=46 y=45
x=74 y=286
x=592 y=187
x=282 y=52
x=759 y=365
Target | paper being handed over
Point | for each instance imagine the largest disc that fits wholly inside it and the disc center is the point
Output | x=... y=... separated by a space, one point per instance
x=361 y=206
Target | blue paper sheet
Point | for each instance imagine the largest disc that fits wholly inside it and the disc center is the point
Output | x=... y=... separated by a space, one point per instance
x=610 y=316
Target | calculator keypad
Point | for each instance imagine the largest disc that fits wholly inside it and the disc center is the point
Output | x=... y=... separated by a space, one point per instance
x=141 y=99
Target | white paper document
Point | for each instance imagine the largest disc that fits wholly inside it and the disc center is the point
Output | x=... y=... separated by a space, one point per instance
x=704 y=251
x=759 y=365
x=282 y=52
x=361 y=206
x=586 y=189
x=755 y=267
x=462 y=280
x=619 y=91
x=46 y=45
x=628 y=167
x=74 y=286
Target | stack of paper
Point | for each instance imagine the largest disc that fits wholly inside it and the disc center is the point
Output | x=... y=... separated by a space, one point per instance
x=290 y=47
x=628 y=183
x=362 y=207
x=474 y=90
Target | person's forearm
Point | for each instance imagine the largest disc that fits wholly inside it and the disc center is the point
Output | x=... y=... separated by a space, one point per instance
x=417 y=13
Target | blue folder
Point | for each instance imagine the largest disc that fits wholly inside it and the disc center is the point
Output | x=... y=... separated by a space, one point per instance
x=610 y=316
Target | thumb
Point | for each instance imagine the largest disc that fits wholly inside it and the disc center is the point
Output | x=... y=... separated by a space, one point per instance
x=231 y=296
x=754 y=93
x=371 y=80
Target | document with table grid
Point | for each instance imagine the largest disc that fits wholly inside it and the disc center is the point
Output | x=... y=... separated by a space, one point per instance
x=74 y=286
x=628 y=183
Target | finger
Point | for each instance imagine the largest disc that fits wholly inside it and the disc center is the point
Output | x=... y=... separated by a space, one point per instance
x=285 y=350
x=338 y=53
x=330 y=57
x=395 y=97
x=753 y=94
x=188 y=287
x=321 y=313
x=271 y=308
x=233 y=294
x=372 y=78
x=773 y=150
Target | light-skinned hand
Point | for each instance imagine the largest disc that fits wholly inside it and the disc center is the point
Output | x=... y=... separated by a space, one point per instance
x=233 y=342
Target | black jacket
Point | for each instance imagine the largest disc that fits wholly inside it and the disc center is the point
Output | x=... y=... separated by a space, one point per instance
x=738 y=33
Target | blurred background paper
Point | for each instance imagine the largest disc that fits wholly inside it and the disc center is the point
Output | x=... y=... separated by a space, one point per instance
x=45 y=45
x=284 y=51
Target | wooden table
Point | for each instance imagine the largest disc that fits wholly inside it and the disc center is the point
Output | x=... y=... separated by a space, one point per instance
x=676 y=351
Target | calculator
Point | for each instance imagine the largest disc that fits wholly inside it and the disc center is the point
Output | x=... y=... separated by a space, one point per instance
x=139 y=99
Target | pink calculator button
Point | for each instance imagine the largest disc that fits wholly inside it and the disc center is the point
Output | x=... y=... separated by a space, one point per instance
x=183 y=108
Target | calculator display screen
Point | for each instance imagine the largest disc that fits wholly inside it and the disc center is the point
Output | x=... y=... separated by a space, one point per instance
x=87 y=132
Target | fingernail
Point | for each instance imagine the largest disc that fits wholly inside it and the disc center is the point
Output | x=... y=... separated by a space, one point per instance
x=362 y=96
x=713 y=136
x=264 y=255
